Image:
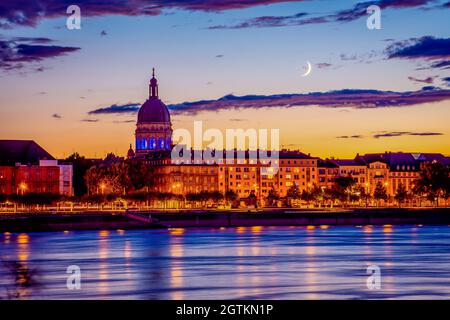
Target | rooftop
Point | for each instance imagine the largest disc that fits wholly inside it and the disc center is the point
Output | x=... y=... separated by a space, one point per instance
x=22 y=151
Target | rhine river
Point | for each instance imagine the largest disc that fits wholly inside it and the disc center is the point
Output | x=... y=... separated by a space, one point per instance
x=232 y=263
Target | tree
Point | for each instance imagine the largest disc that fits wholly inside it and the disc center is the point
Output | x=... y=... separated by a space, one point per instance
x=80 y=166
x=293 y=193
x=316 y=194
x=231 y=197
x=272 y=197
x=433 y=181
x=401 y=194
x=362 y=194
x=342 y=188
x=141 y=174
x=380 y=192
x=251 y=199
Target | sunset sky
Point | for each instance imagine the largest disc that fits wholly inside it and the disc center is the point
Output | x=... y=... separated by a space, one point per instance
x=368 y=91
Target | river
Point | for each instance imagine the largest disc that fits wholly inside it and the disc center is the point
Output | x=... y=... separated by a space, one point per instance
x=229 y=263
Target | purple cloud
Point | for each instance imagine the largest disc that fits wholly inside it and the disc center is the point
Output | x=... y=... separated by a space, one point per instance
x=428 y=80
x=427 y=47
x=16 y=13
x=335 y=99
x=323 y=65
x=16 y=52
x=117 y=109
x=90 y=120
x=405 y=133
x=441 y=64
x=265 y=21
x=347 y=15
x=446 y=80
x=356 y=136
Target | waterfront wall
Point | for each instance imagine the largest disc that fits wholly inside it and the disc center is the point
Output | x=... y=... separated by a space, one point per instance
x=199 y=219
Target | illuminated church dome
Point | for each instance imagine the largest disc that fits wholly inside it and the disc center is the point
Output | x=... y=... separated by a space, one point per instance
x=153 y=110
x=153 y=128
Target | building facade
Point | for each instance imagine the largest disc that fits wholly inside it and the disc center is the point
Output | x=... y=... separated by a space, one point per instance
x=25 y=167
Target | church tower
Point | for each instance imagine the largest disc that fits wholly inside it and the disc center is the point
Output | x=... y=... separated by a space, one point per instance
x=153 y=128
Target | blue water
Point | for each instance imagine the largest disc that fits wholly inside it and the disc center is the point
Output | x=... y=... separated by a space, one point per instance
x=232 y=263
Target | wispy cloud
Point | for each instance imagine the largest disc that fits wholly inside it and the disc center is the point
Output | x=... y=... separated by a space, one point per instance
x=90 y=120
x=405 y=133
x=427 y=48
x=303 y=18
x=117 y=109
x=16 y=52
x=446 y=80
x=237 y=120
x=391 y=134
x=56 y=116
x=17 y=13
x=428 y=80
x=356 y=136
x=124 y=121
x=337 y=99
x=323 y=65
x=266 y=21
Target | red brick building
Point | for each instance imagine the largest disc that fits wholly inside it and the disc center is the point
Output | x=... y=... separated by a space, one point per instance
x=22 y=171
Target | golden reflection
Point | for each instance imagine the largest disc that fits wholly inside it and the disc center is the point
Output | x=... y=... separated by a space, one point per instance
x=324 y=226
x=103 y=273
x=256 y=229
x=310 y=227
x=7 y=237
x=241 y=229
x=23 y=247
x=23 y=238
x=367 y=229
x=311 y=269
x=176 y=231
x=103 y=233
x=127 y=250
x=120 y=231
x=387 y=228
x=255 y=250
x=176 y=251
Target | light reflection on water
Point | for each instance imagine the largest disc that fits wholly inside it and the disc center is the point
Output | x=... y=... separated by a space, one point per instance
x=234 y=263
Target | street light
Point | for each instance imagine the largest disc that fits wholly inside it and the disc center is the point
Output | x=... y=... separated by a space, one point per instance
x=23 y=187
x=102 y=187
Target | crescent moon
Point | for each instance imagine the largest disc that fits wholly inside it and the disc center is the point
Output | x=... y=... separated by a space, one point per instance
x=307 y=71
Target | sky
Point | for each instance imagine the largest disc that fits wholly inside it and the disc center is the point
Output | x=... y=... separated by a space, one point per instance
x=231 y=64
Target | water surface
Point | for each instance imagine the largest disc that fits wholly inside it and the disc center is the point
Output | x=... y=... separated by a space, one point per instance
x=231 y=263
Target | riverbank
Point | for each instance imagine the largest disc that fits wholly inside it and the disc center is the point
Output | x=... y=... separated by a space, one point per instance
x=217 y=219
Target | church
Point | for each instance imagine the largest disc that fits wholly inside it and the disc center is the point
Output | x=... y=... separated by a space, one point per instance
x=153 y=128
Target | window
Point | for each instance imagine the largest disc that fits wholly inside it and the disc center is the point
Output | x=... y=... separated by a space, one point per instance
x=152 y=144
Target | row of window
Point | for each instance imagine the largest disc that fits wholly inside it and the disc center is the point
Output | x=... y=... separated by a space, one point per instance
x=153 y=144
